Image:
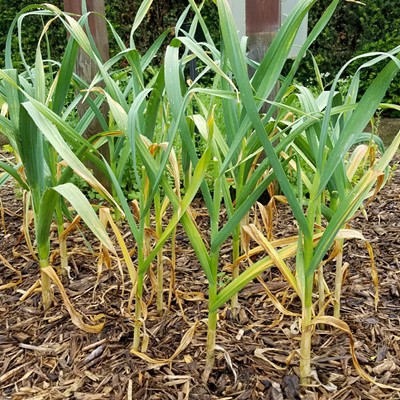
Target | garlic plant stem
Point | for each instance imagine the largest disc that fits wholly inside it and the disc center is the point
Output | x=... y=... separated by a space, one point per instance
x=47 y=297
x=305 y=347
x=210 y=351
x=235 y=272
x=338 y=281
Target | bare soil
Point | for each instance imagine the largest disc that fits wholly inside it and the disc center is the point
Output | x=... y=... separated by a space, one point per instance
x=43 y=355
x=388 y=129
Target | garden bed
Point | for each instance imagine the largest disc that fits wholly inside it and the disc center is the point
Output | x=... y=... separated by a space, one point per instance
x=44 y=356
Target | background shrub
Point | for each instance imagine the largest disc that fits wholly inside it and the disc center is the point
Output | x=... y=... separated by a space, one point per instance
x=162 y=15
x=353 y=30
x=30 y=31
x=121 y=13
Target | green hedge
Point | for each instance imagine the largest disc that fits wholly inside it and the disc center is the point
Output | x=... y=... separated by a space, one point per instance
x=31 y=31
x=162 y=15
x=121 y=13
x=353 y=30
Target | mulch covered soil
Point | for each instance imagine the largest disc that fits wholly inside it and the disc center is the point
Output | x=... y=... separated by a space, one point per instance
x=44 y=356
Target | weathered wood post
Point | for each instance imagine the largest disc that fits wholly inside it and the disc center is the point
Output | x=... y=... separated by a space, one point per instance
x=263 y=19
x=259 y=20
x=87 y=69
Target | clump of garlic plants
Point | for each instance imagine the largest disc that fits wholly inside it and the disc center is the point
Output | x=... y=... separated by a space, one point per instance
x=151 y=129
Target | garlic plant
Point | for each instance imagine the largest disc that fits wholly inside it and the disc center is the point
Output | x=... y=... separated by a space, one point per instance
x=151 y=128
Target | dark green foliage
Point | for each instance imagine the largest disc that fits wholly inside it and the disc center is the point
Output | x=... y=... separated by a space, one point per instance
x=31 y=30
x=339 y=41
x=162 y=15
x=121 y=13
x=354 y=29
x=381 y=32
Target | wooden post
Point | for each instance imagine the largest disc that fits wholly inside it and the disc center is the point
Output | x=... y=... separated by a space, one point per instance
x=87 y=69
x=263 y=19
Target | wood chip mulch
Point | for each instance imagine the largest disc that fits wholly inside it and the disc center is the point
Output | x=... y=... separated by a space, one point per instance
x=44 y=356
